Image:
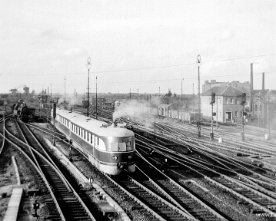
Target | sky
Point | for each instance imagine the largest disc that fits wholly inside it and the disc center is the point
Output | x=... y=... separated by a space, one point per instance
x=137 y=45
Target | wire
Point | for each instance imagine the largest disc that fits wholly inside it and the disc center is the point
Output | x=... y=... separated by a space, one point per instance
x=184 y=64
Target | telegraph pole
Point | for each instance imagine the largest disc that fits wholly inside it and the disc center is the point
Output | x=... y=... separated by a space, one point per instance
x=88 y=70
x=181 y=98
x=259 y=109
x=65 y=91
x=268 y=114
x=193 y=98
x=96 y=97
x=199 y=106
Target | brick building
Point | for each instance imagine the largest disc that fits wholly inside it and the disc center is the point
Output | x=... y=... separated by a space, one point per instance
x=227 y=106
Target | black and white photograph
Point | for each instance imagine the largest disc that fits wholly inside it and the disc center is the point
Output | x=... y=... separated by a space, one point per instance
x=138 y=110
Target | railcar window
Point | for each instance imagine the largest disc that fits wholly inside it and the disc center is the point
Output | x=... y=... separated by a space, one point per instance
x=122 y=146
x=98 y=141
x=84 y=135
x=114 y=146
x=128 y=145
x=92 y=137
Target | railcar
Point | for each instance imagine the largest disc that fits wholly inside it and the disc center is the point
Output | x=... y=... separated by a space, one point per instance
x=23 y=112
x=111 y=149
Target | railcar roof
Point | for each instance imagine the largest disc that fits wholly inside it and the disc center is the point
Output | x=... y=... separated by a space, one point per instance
x=95 y=126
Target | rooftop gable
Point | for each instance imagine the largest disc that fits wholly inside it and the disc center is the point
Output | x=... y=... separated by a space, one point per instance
x=225 y=91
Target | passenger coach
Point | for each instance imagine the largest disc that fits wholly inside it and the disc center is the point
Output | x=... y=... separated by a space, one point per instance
x=111 y=149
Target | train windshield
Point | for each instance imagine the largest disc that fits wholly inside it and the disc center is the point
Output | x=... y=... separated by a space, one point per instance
x=121 y=145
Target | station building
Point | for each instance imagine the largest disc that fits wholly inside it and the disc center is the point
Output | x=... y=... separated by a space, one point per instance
x=227 y=106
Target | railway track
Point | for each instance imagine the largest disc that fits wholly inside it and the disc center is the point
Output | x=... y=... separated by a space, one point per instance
x=64 y=203
x=156 y=205
x=262 y=203
x=258 y=202
x=134 y=205
x=183 y=199
x=206 y=148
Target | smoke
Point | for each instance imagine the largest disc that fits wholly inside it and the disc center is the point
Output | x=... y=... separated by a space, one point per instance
x=71 y=100
x=139 y=111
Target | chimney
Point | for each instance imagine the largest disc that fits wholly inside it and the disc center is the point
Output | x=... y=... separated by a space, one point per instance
x=251 y=87
x=263 y=82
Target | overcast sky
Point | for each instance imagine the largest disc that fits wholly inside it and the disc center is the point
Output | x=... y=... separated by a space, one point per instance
x=137 y=44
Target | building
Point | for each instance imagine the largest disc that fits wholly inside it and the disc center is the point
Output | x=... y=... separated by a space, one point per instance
x=227 y=106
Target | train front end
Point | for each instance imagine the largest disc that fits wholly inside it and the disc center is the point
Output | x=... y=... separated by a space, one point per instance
x=120 y=152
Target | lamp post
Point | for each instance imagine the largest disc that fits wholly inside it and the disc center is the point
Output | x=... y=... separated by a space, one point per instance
x=88 y=70
x=199 y=107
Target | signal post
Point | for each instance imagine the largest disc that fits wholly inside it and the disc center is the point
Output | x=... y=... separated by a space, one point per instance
x=213 y=100
x=243 y=101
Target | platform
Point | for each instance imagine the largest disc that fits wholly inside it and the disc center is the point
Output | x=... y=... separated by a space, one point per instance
x=14 y=204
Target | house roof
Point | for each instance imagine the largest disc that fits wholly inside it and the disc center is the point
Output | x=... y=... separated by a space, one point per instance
x=225 y=91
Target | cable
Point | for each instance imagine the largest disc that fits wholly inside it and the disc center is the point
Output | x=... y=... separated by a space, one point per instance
x=184 y=64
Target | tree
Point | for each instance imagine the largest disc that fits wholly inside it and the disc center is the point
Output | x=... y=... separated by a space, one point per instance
x=13 y=91
x=169 y=94
x=26 y=90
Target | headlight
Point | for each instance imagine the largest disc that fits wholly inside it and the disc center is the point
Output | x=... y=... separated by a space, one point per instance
x=115 y=157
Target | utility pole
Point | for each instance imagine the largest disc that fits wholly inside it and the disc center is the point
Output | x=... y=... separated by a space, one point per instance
x=259 y=109
x=181 y=91
x=193 y=98
x=88 y=70
x=251 y=89
x=217 y=113
x=199 y=105
x=64 y=90
x=96 y=97
x=51 y=94
x=268 y=114
x=75 y=98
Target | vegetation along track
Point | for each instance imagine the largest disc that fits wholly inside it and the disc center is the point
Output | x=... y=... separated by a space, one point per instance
x=67 y=203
